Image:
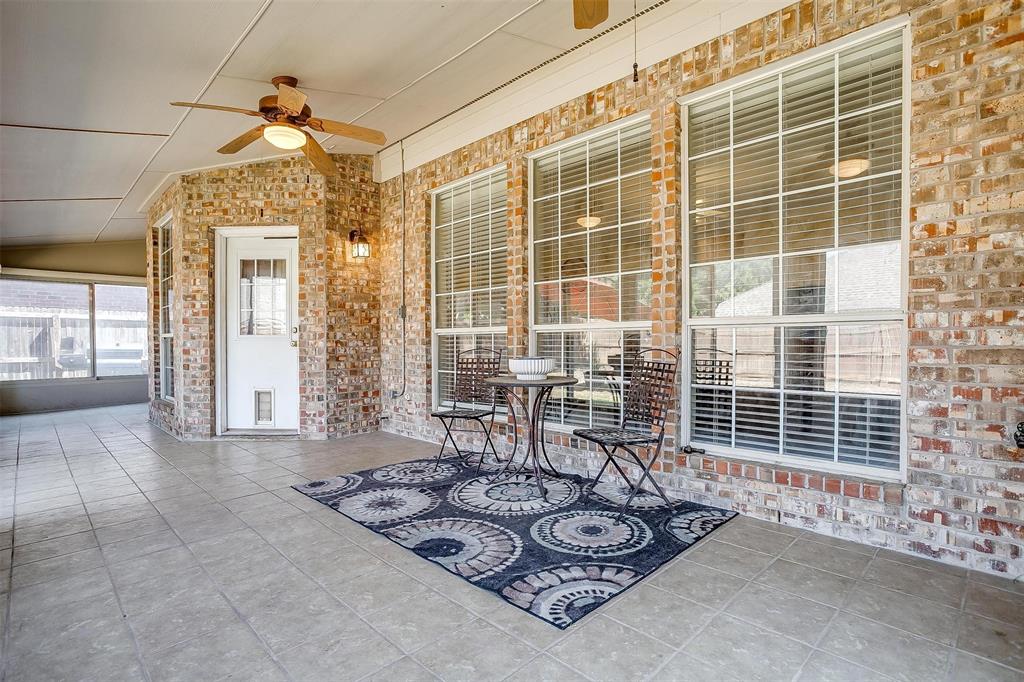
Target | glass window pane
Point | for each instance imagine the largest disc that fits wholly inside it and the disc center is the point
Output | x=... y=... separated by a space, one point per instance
x=708 y=125
x=573 y=209
x=545 y=175
x=809 y=427
x=44 y=330
x=758 y=353
x=871 y=73
x=869 y=358
x=709 y=181
x=499 y=268
x=575 y=300
x=480 y=196
x=545 y=218
x=709 y=235
x=757 y=420
x=460 y=238
x=711 y=290
x=121 y=339
x=636 y=297
x=869 y=277
x=636 y=247
x=869 y=431
x=604 y=380
x=545 y=260
x=756 y=111
x=810 y=358
x=870 y=143
x=808 y=93
x=547 y=303
x=576 y=400
x=869 y=211
x=756 y=170
x=443 y=276
x=443 y=242
x=480 y=233
x=636 y=148
x=757 y=228
x=809 y=220
x=755 y=288
x=604 y=157
x=443 y=208
x=604 y=251
x=480 y=270
x=460 y=202
x=572 y=167
x=809 y=284
x=808 y=157
x=604 y=299
x=549 y=345
x=604 y=204
x=636 y=198
x=460 y=274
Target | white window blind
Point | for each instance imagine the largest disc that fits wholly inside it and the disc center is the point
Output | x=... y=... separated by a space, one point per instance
x=470 y=253
x=591 y=267
x=794 y=234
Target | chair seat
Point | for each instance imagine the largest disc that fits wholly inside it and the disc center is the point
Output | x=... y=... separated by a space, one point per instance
x=615 y=436
x=462 y=413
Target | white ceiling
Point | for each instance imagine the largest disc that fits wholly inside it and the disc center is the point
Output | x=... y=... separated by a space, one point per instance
x=107 y=69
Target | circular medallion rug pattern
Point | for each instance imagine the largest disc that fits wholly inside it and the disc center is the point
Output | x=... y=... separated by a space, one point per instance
x=557 y=558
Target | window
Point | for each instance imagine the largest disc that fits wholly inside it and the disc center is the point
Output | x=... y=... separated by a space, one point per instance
x=120 y=330
x=470 y=252
x=794 y=224
x=47 y=330
x=165 y=273
x=591 y=267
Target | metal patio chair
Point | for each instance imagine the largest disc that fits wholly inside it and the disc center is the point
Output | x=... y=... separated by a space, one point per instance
x=472 y=367
x=647 y=402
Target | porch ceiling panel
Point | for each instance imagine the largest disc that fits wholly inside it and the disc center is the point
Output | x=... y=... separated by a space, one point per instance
x=61 y=164
x=47 y=222
x=109 y=64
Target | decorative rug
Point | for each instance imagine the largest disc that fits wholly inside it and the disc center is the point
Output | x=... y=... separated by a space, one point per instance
x=557 y=559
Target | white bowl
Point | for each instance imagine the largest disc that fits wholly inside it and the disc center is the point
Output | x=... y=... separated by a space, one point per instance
x=531 y=369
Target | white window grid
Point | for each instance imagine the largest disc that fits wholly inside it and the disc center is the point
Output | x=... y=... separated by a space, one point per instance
x=165 y=264
x=492 y=335
x=832 y=317
x=591 y=325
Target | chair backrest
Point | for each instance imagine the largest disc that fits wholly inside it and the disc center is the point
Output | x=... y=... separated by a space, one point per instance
x=652 y=383
x=472 y=366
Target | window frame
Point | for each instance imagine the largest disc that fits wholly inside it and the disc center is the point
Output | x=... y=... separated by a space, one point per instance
x=165 y=345
x=437 y=332
x=901 y=25
x=644 y=326
x=90 y=281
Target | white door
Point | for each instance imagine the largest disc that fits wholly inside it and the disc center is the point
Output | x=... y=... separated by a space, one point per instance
x=261 y=333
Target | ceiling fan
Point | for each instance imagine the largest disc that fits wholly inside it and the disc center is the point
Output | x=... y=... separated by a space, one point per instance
x=589 y=13
x=287 y=114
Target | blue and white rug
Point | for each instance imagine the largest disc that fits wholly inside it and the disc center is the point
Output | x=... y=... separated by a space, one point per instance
x=558 y=559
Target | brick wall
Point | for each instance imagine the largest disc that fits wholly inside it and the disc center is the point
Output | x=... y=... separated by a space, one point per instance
x=336 y=311
x=961 y=502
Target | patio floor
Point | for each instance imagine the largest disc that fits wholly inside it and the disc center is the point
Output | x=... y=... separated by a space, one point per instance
x=139 y=557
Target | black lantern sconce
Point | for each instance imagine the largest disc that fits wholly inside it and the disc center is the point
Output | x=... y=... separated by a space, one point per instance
x=360 y=245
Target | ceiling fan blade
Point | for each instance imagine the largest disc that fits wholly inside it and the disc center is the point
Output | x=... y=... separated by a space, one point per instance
x=216 y=107
x=325 y=125
x=290 y=100
x=318 y=157
x=242 y=141
x=589 y=13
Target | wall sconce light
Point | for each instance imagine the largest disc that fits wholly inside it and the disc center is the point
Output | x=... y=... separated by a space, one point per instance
x=360 y=245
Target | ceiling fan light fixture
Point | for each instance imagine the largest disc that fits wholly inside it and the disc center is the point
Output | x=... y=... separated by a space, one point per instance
x=284 y=136
x=849 y=168
x=588 y=221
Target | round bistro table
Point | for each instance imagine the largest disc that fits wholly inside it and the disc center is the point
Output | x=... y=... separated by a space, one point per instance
x=538 y=392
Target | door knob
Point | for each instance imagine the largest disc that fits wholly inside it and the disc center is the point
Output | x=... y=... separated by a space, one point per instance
x=295 y=343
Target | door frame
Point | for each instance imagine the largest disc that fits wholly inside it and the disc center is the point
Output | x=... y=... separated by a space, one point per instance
x=220 y=312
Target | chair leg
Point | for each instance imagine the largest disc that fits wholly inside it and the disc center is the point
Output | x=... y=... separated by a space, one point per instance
x=646 y=469
x=483 y=449
x=448 y=437
x=607 y=459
